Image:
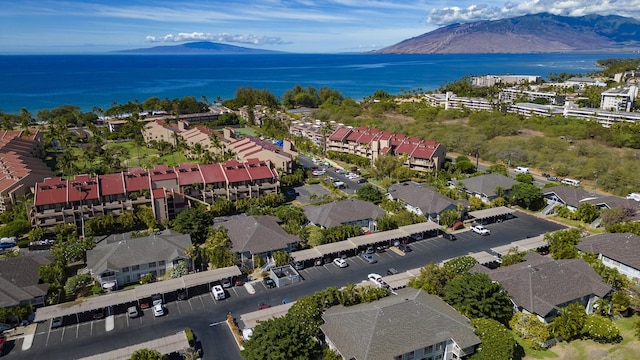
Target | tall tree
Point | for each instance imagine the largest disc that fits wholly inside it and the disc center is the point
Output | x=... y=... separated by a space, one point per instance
x=476 y=296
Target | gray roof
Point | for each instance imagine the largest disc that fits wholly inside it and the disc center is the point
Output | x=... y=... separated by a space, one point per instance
x=426 y=198
x=541 y=284
x=340 y=212
x=20 y=279
x=487 y=184
x=121 y=250
x=395 y=325
x=621 y=247
x=257 y=234
x=570 y=195
x=611 y=202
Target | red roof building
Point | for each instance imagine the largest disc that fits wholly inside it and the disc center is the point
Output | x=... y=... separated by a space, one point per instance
x=423 y=155
x=168 y=190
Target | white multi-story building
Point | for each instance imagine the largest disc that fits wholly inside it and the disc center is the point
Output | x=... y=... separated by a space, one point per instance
x=513 y=94
x=619 y=98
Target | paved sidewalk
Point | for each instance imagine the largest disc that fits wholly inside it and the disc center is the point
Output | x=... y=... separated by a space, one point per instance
x=27 y=332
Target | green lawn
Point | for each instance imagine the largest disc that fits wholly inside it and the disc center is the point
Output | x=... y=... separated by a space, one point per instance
x=627 y=349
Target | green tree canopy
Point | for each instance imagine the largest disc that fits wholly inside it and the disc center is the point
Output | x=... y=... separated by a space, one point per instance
x=147 y=354
x=370 y=193
x=476 y=296
x=195 y=222
x=563 y=243
x=526 y=194
x=497 y=341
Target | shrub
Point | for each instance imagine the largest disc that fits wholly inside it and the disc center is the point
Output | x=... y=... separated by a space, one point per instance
x=190 y=337
x=601 y=329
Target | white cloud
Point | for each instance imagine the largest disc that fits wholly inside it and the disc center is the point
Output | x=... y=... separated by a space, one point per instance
x=450 y=15
x=222 y=37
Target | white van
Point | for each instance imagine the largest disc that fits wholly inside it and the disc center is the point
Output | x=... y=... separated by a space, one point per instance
x=522 y=170
x=571 y=182
x=633 y=196
x=218 y=292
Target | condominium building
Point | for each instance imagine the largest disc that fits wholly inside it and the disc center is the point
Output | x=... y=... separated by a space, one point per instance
x=167 y=190
x=619 y=98
x=491 y=80
x=20 y=168
x=514 y=94
x=160 y=130
x=422 y=155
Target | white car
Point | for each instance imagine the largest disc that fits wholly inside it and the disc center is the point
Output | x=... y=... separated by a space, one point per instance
x=479 y=229
x=218 y=292
x=158 y=310
x=377 y=279
x=341 y=263
x=318 y=172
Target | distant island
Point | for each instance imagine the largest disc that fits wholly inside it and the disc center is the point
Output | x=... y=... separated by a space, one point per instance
x=200 y=47
x=538 y=33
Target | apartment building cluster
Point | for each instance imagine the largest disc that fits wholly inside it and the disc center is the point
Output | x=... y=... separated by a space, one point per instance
x=491 y=80
x=20 y=166
x=243 y=148
x=115 y=122
x=311 y=130
x=167 y=190
x=422 y=155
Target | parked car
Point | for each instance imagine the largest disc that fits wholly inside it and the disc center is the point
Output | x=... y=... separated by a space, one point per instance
x=56 y=322
x=158 y=310
x=286 y=300
x=362 y=181
x=156 y=299
x=218 y=292
x=450 y=237
x=263 y=305
x=341 y=263
x=392 y=271
x=481 y=230
x=237 y=281
x=369 y=258
x=377 y=279
x=181 y=294
x=370 y=250
x=133 y=312
x=269 y=283
x=404 y=248
x=98 y=313
x=381 y=248
x=226 y=283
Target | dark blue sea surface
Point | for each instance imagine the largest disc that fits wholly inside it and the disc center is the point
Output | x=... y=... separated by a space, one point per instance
x=38 y=82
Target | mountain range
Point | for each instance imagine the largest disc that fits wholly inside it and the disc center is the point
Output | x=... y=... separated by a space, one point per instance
x=538 y=33
x=200 y=47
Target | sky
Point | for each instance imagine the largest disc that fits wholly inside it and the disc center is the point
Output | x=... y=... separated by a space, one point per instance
x=302 y=26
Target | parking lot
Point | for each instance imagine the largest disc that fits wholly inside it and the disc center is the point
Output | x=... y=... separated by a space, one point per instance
x=203 y=313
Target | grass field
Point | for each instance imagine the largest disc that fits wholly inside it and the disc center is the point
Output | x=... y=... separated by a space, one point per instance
x=627 y=349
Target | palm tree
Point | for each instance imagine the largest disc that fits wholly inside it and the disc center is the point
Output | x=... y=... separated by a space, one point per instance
x=25 y=119
x=325 y=130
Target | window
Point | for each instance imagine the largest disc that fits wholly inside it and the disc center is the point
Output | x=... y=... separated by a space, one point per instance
x=438 y=357
x=152 y=264
x=135 y=268
x=439 y=347
x=125 y=269
x=410 y=355
x=428 y=349
x=161 y=263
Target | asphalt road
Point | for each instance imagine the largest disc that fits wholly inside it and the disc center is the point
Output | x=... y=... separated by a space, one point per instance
x=199 y=312
x=351 y=185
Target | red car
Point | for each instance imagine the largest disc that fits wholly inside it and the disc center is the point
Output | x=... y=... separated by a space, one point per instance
x=3 y=340
x=263 y=306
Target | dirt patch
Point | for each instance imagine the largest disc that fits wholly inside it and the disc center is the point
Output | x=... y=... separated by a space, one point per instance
x=529 y=132
x=460 y=121
x=398 y=118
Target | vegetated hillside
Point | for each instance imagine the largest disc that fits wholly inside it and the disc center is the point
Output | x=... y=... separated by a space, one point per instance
x=527 y=34
x=201 y=47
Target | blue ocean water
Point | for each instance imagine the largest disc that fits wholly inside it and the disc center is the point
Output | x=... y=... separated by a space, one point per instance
x=38 y=82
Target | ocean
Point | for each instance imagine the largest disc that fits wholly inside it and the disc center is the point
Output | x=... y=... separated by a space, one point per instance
x=37 y=82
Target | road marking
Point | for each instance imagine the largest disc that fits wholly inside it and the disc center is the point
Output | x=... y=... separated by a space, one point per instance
x=216 y=323
x=178 y=306
x=77 y=330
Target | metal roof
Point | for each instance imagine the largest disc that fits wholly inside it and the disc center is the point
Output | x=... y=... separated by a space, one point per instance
x=487 y=213
x=250 y=320
x=522 y=245
x=135 y=294
x=363 y=240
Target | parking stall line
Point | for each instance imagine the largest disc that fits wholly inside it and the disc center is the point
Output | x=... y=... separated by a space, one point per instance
x=77 y=330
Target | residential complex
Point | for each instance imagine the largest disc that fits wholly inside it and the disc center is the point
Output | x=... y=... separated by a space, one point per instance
x=421 y=155
x=491 y=80
x=167 y=190
x=409 y=325
x=619 y=98
x=20 y=167
x=121 y=259
x=514 y=94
